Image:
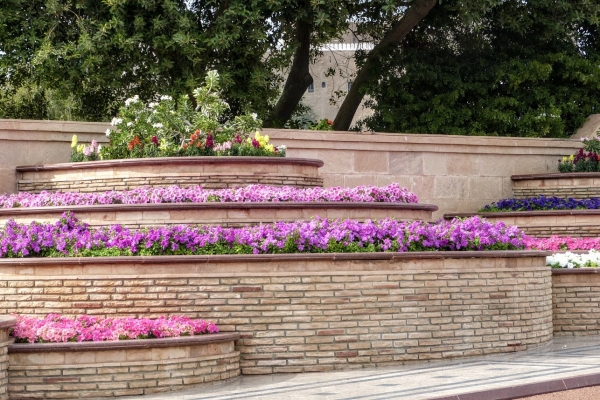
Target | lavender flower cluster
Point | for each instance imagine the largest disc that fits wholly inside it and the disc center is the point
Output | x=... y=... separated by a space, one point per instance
x=254 y=193
x=542 y=203
x=70 y=237
x=57 y=328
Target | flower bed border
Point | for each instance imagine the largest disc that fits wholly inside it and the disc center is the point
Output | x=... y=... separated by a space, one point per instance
x=120 y=368
x=232 y=214
x=578 y=185
x=131 y=173
x=545 y=223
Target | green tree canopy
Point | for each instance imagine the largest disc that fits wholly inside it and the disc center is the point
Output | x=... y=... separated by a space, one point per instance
x=514 y=68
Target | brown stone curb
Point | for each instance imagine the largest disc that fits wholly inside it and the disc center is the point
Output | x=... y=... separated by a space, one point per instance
x=123 y=344
x=220 y=206
x=530 y=389
x=523 y=213
x=556 y=176
x=171 y=161
x=575 y=271
x=7 y=321
x=273 y=257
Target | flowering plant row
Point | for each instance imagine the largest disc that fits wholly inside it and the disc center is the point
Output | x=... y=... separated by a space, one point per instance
x=392 y=193
x=57 y=328
x=542 y=203
x=69 y=237
x=585 y=160
x=171 y=127
x=562 y=243
x=571 y=260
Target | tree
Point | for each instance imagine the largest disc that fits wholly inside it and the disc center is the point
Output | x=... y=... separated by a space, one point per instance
x=514 y=68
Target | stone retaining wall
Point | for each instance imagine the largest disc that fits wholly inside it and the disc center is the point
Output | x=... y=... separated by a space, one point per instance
x=546 y=223
x=209 y=172
x=457 y=173
x=6 y=323
x=311 y=312
x=123 y=368
x=223 y=214
x=575 y=301
x=580 y=185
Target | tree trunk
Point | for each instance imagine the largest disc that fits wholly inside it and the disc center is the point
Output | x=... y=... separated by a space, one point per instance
x=298 y=79
x=397 y=33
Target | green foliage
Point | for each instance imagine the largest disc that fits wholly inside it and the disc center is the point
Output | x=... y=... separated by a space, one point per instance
x=322 y=125
x=506 y=68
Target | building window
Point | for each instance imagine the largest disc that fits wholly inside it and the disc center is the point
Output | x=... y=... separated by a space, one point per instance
x=349 y=85
x=311 y=88
x=323 y=85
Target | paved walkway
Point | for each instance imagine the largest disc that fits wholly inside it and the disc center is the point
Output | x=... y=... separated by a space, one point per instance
x=551 y=366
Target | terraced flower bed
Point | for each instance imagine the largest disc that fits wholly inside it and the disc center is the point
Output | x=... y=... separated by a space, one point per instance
x=249 y=205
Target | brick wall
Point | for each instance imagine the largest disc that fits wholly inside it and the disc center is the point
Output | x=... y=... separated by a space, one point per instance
x=575 y=185
x=312 y=312
x=223 y=214
x=575 y=299
x=6 y=323
x=112 y=369
x=209 y=172
x=545 y=223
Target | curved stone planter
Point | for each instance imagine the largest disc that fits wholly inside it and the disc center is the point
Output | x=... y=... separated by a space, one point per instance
x=209 y=172
x=311 y=312
x=224 y=214
x=578 y=185
x=545 y=223
x=575 y=297
x=6 y=323
x=121 y=368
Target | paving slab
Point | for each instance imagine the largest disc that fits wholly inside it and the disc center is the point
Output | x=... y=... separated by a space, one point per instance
x=566 y=363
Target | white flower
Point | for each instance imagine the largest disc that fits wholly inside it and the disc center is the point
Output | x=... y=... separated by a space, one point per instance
x=165 y=97
x=129 y=123
x=282 y=147
x=254 y=116
x=116 y=121
x=108 y=131
x=132 y=100
x=158 y=125
x=153 y=104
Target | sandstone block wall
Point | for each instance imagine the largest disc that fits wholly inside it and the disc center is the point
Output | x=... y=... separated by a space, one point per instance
x=575 y=301
x=303 y=313
x=580 y=185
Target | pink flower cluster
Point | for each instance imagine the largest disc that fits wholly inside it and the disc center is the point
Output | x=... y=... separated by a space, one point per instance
x=562 y=243
x=254 y=193
x=57 y=328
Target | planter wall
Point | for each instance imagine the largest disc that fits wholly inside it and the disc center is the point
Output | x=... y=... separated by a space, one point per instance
x=123 y=368
x=6 y=323
x=224 y=214
x=209 y=172
x=457 y=173
x=575 y=300
x=311 y=312
x=581 y=185
x=578 y=223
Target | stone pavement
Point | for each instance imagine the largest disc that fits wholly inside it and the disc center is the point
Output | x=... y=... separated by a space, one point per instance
x=566 y=363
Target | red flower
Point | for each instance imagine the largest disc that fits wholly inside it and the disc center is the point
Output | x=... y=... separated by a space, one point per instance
x=154 y=140
x=209 y=141
x=237 y=139
x=255 y=143
x=133 y=143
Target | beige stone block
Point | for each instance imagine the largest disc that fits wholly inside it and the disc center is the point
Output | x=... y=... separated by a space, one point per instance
x=358 y=180
x=486 y=187
x=451 y=187
x=435 y=164
x=463 y=164
x=368 y=161
x=406 y=163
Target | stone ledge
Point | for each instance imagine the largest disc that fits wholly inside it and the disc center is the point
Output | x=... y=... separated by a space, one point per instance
x=7 y=321
x=260 y=258
x=123 y=344
x=566 y=175
x=170 y=160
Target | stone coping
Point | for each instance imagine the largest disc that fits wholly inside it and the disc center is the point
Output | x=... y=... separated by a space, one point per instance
x=129 y=162
x=575 y=271
x=558 y=175
x=261 y=258
x=537 y=213
x=7 y=321
x=219 y=206
x=123 y=344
